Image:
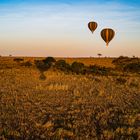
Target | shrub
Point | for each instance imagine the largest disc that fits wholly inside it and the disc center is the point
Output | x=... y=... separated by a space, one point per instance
x=42 y=66
x=127 y=64
x=98 y=70
x=62 y=65
x=45 y=64
x=18 y=59
x=78 y=68
x=49 y=60
x=120 y=59
x=132 y=67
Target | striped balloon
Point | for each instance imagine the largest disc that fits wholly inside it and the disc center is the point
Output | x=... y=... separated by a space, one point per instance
x=92 y=26
x=107 y=35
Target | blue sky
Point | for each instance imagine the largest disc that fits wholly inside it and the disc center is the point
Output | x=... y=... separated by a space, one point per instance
x=59 y=28
x=132 y=2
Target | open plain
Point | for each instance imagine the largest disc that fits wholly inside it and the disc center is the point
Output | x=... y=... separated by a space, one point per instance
x=68 y=106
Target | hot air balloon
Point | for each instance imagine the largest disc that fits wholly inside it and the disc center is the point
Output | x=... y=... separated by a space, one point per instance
x=92 y=26
x=107 y=35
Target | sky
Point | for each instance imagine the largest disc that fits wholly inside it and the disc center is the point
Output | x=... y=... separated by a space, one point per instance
x=59 y=28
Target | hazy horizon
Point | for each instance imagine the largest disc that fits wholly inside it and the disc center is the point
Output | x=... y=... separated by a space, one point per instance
x=59 y=28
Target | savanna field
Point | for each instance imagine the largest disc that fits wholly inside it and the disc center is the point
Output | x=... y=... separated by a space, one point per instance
x=69 y=98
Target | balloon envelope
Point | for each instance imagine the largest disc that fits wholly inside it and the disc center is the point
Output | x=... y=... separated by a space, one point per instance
x=107 y=35
x=92 y=26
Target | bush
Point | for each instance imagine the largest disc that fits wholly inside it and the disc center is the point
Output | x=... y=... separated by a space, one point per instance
x=132 y=67
x=94 y=69
x=49 y=60
x=62 y=65
x=127 y=64
x=78 y=68
x=18 y=59
x=120 y=59
x=42 y=66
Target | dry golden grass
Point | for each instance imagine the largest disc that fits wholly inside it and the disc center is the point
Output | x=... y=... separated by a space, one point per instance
x=67 y=106
x=107 y=62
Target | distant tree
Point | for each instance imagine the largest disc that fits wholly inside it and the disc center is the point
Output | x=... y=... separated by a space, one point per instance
x=99 y=54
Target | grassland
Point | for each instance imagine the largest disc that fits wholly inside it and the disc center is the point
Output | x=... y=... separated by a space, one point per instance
x=107 y=62
x=67 y=106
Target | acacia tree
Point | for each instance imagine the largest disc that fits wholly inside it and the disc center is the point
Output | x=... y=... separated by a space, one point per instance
x=99 y=54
